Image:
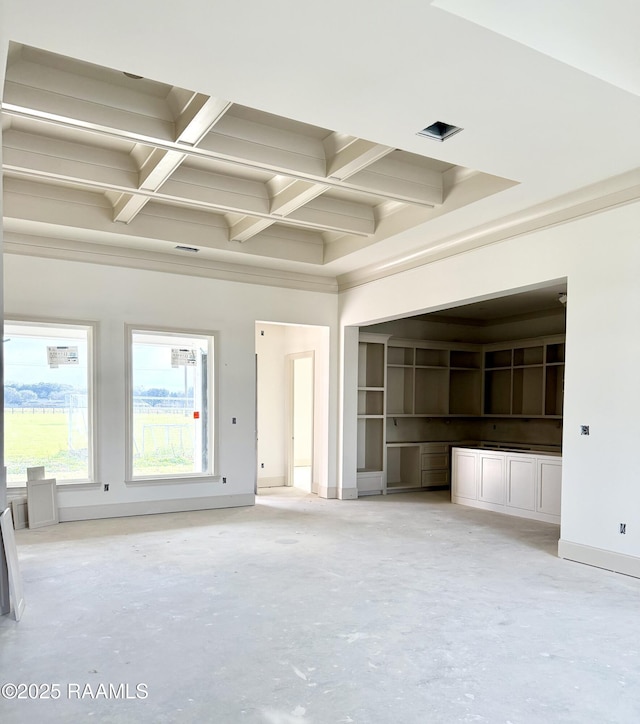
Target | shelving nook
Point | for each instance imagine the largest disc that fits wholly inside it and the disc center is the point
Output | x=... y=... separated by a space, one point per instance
x=421 y=379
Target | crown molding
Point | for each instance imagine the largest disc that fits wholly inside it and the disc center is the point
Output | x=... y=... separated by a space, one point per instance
x=70 y=250
x=594 y=199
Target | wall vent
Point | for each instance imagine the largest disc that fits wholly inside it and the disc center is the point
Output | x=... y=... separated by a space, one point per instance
x=192 y=249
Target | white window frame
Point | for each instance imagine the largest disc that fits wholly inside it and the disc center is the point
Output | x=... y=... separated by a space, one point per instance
x=91 y=329
x=210 y=475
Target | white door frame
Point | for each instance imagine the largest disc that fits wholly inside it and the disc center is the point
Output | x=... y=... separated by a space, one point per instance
x=290 y=411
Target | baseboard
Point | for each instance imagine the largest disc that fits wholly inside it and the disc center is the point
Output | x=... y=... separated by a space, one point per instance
x=611 y=561
x=179 y=505
x=274 y=482
x=348 y=493
x=324 y=492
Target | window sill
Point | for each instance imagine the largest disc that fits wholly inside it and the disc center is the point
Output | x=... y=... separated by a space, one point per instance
x=174 y=479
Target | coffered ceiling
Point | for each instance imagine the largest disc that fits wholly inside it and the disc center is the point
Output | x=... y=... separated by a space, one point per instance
x=158 y=167
x=281 y=145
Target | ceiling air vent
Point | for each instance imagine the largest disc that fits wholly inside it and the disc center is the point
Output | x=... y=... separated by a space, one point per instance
x=192 y=249
x=439 y=131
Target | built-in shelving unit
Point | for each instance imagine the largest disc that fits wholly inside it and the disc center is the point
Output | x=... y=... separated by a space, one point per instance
x=524 y=380
x=372 y=351
x=417 y=465
x=431 y=379
x=400 y=378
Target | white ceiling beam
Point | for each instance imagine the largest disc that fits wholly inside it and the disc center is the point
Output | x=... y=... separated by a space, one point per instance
x=295 y=195
x=356 y=156
x=80 y=215
x=187 y=187
x=284 y=202
x=128 y=206
x=397 y=180
x=124 y=123
x=238 y=153
x=197 y=119
x=50 y=168
x=247 y=228
x=337 y=215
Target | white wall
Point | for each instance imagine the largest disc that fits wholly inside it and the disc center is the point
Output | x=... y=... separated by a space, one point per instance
x=114 y=297
x=600 y=256
x=271 y=405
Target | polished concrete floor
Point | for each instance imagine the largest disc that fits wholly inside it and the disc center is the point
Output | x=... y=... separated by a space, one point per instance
x=404 y=609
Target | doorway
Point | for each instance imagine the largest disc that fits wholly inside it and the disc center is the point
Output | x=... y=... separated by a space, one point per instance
x=300 y=368
x=292 y=408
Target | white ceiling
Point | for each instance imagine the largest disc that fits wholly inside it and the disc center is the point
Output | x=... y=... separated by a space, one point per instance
x=281 y=95
x=599 y=37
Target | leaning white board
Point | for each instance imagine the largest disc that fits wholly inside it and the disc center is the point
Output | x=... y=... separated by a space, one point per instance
x=42 y=502
x=11 y=554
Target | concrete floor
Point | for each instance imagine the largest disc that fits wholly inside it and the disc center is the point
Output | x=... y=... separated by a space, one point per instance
x=400 y=609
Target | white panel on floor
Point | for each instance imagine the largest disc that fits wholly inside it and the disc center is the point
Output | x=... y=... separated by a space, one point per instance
x=11 y=553
x=19 y=510
x=36 y=473
x=42 y=502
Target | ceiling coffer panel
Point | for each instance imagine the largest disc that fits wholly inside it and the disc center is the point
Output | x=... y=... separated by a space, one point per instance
x=266 y=185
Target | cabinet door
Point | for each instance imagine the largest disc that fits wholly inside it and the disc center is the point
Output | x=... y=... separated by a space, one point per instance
x=464 y=474
x=491 y=479
x=549 y=486
x=521 y=482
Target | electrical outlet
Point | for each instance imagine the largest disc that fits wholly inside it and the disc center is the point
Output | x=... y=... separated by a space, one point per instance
x=584 y=429
x=106 y=487
x=234 y=420
x=623 y=528
x=261 y=465
x=224 y=480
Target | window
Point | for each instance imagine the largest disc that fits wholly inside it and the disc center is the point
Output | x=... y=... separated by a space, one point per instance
x=171 y=403
x=48 y=400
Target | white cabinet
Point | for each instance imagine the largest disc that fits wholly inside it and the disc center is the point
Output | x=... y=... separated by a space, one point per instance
x=491 y=478
x=549 y=486
x=463 y=483
x=521 y=482
x=525 y=485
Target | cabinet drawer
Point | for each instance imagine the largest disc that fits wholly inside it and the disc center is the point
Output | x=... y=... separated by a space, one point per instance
x=435 y=447
x=435 y=461
x=434 y=477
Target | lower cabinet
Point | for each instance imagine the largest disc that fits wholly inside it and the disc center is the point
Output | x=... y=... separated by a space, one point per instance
x=525 y=485
x=417 y=465
x=549 y=487
x=521 y=474
x=491 y=478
